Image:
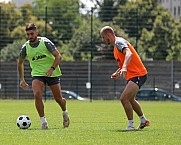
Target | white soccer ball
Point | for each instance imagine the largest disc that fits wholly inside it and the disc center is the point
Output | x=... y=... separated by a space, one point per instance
x=23 y=122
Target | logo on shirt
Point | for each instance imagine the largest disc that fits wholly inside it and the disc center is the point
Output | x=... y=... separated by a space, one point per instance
x=38 y=57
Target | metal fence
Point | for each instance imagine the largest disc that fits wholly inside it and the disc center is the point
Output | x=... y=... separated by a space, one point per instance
x=161 y=74
x=93 y=62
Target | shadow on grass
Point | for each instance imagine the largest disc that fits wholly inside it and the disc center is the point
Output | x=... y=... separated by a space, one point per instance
x=44 y=129
x=136 y=130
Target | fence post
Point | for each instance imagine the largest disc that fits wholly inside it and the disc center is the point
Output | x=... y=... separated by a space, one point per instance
x=137 y=30
x=17 y=91
x=91 y=54
x=115 y=96
x=46 y=21
x=77 y=85
x=5 y=88
x=88 y=84
x=172 y=76
x=0 y=39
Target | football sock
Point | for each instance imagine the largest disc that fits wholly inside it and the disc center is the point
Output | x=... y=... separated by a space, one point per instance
x=65 y=112
x=131 y=123
x=142 y=118
x=43 y=119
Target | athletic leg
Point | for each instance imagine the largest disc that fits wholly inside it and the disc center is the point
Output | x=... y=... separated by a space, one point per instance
x=38 y=87
x=129 y=93
x=56 y=90
x=136 y=106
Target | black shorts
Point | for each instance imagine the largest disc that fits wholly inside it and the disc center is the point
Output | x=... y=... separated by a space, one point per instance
x=47 y=80
x=139 y=80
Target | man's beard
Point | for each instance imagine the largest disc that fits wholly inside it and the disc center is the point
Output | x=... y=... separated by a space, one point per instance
x=33 y=40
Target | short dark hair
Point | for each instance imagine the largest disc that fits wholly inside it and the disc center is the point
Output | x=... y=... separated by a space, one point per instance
x=31 y=27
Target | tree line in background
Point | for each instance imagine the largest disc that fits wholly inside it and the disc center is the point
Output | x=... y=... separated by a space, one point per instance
x=74 y=28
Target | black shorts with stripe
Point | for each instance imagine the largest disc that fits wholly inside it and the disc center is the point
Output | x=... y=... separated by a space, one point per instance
x=47 y=80
x=139 y=80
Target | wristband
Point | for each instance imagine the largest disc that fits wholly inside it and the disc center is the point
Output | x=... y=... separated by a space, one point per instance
x=53 y=68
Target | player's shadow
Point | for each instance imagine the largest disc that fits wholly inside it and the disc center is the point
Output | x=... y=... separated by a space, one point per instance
x=123 y=130
x=55 y=128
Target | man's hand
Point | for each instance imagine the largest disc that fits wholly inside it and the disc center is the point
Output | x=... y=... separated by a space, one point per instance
x=49 y=72
x=119 y=72
x=24 y=85
x=123 y=72
x=115 y=75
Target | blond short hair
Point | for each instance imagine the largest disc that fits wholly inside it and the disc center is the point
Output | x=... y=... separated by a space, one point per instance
x=107 y=29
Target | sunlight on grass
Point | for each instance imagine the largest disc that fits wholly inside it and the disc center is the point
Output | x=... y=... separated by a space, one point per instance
x=96 y=123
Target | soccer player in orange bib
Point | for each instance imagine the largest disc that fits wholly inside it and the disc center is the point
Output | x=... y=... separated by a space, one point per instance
x=133 y=70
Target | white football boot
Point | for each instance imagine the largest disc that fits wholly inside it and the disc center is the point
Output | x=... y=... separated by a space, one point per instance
x=66 y=119
x=130 y=128
x=44 y=125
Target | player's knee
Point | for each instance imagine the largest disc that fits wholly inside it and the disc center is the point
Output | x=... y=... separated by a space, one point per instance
x=37 y=95
x=60 y=100
x=123 y=99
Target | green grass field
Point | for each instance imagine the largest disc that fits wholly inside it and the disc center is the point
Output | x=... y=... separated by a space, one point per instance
x=96 y=123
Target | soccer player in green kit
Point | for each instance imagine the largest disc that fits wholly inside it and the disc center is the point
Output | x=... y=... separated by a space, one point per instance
x=44 y=61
